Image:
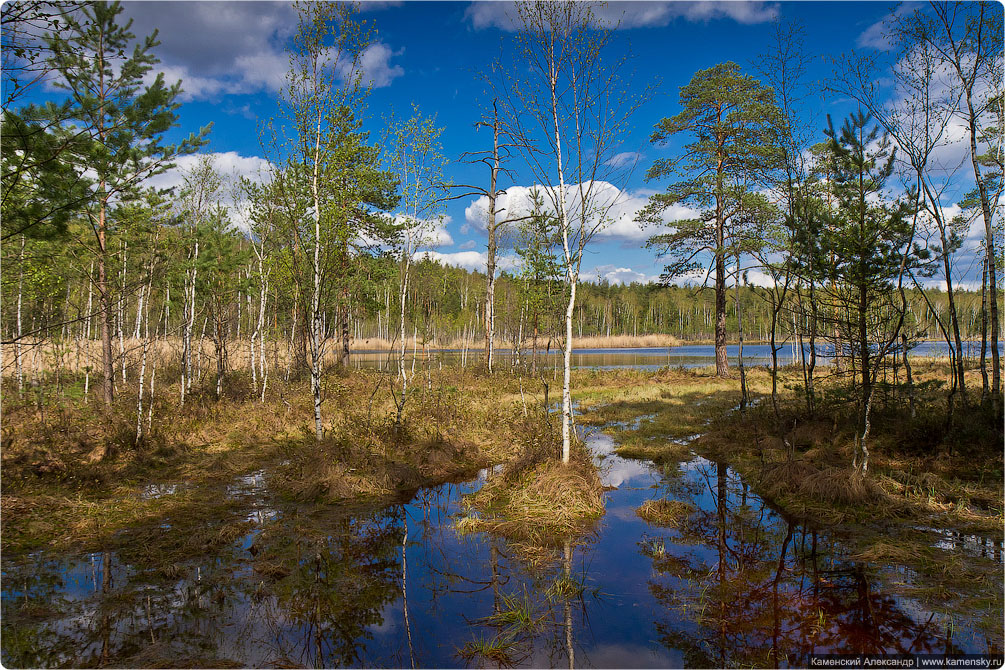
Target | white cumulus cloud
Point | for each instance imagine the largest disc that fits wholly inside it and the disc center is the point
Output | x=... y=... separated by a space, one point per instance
x=618 y=275
x=618 y=207
x=237 y=47
x=504 y=15
x=469 y=260
x=375 y=66
x=623 y=159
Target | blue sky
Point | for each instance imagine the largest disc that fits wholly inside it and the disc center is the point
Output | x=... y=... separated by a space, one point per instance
x=230 y=56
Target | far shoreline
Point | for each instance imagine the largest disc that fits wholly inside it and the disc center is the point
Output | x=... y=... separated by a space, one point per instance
x=613 y=343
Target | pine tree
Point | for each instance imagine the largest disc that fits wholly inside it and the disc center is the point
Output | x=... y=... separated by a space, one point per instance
x=731 y=117
x=868 y=243
x=125 y=125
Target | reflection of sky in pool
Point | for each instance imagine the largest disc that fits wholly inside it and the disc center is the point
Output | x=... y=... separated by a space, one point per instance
x=705 y=592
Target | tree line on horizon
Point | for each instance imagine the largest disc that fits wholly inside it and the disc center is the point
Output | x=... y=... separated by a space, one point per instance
x=847 y=219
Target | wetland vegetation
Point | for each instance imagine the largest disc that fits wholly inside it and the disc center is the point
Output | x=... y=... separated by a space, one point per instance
x=256 y=420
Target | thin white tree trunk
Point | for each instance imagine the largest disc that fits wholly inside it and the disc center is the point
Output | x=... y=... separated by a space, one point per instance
x=570 y=274
x=18 y=364
x=120 y=307
x=316 y=296
x=188 y=324
x=139 y=310
x=261 y=336
x=143 y=361
x=153 y=372
x=415 y=345
x=567 y=376
x=191 y=320
x=404 y=293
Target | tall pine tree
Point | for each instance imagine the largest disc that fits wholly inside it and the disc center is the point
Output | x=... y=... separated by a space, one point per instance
x=125 y=125
x=730 y=117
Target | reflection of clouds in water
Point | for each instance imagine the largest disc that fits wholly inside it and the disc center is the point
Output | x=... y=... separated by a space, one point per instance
x=391 y=617
x=600 y=443
x=626 y=513
x=614 y=470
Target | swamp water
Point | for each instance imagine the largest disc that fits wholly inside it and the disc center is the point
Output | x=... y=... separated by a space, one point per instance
x=395 y=585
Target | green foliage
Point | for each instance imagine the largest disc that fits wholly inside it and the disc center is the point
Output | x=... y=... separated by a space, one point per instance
x=731 y=118
x=119 y=122
x=867 y=234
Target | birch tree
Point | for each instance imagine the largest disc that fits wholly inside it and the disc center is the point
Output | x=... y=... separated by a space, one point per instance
x=568 y=110
x=324 y=87
x=200 y=205
x=416 y=161
x=968 y=37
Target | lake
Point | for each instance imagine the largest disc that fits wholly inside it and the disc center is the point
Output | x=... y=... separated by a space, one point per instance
x=688 y=356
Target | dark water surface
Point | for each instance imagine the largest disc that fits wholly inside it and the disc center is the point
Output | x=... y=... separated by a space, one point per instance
x=396 y=585
x=651 y=358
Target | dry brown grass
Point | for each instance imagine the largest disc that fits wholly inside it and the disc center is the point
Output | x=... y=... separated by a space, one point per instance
x=662 y=512
x=837 y=486
x=786 y=476
x=844 y=486
x=540 y=504
x=75 y=476
x=625 y=341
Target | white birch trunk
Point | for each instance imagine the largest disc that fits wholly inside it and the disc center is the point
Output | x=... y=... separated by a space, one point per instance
x=143 y=368
x=316 y=296
x=18 y=364
x=120 y=307
x=153 y=372
x=570 y=274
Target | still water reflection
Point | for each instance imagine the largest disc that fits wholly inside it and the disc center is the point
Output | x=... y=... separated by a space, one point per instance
x=651 y=358
x=734 y=584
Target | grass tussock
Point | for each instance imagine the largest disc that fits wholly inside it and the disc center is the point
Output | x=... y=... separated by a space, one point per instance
x=843 y=486
x=540 y=504
x=665 y=513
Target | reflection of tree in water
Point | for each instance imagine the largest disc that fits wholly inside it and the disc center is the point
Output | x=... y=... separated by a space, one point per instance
x=520 y=601
x=326 y=581
x=30 y=593
x=337 y=587
x=96 y=611
x=745 y=587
